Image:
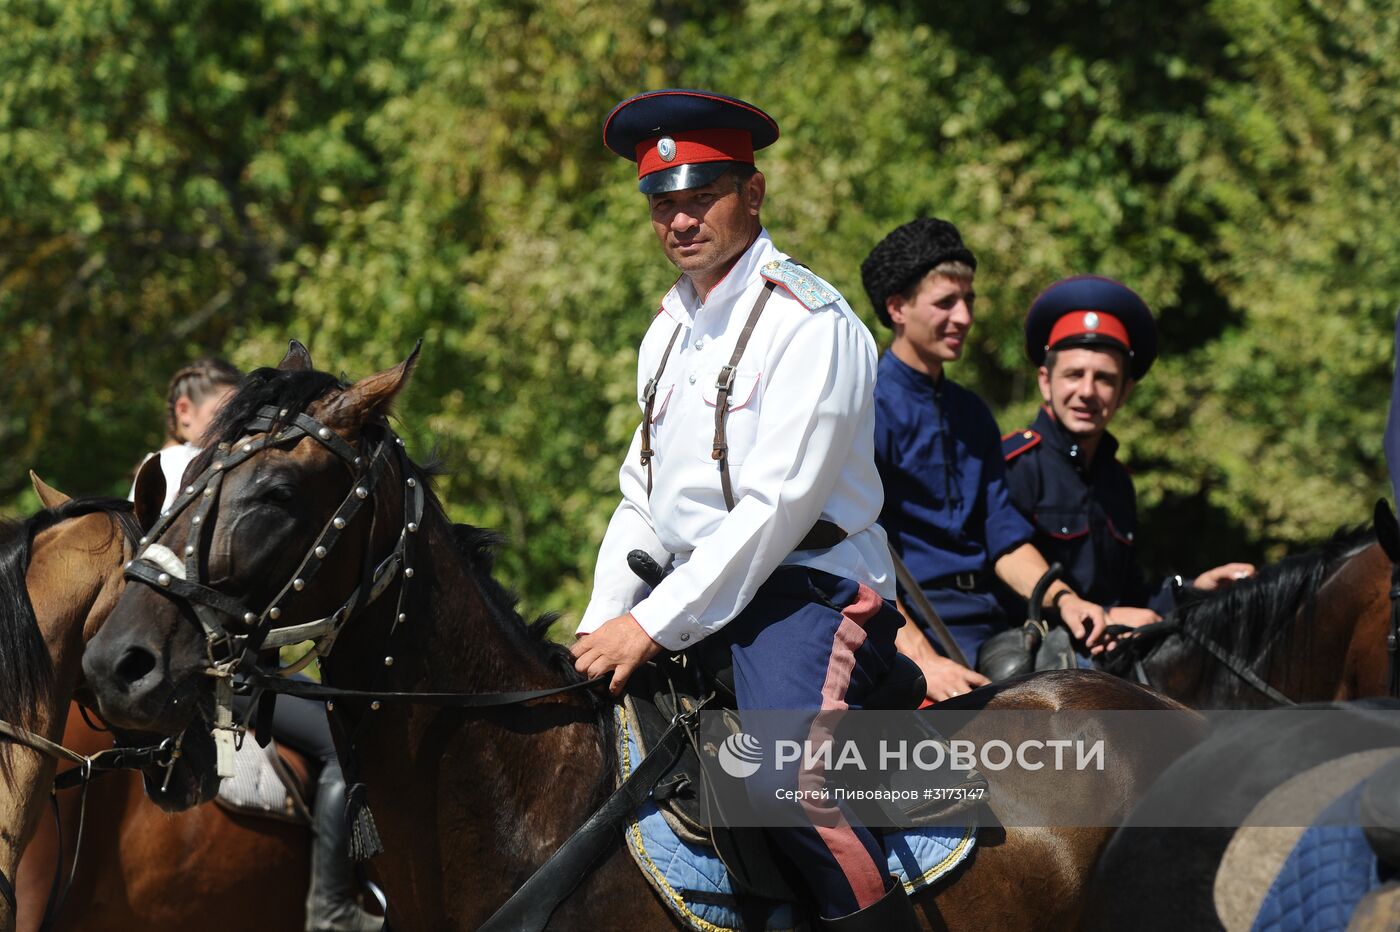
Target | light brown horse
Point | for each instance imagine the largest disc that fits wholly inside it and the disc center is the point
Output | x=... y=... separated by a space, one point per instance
x=60 y=574
x=470 y=803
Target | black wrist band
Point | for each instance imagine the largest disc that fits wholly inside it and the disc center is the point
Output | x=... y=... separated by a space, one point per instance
x=1055 y=599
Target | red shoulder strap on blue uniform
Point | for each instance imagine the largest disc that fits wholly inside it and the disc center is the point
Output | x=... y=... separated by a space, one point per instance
x=1018 y=442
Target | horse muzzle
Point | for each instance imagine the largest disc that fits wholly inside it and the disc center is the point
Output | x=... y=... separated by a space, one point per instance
x=134 y=684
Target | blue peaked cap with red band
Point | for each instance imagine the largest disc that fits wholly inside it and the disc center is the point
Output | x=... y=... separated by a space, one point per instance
x=1087 y=310
x=686 y=138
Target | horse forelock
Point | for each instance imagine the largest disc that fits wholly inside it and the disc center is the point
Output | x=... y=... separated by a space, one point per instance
x=24 y=657
x=291 y=390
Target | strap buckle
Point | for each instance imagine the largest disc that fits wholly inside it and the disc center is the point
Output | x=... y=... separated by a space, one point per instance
x=966 y=581
x=725 y=381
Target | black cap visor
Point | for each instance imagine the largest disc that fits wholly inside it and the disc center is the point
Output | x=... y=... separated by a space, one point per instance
x=682 y=177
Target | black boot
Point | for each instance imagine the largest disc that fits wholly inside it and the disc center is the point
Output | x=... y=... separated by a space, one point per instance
x=330 y=901
x=892 y=913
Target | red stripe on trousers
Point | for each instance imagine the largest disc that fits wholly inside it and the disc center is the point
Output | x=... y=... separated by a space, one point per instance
x=867 y=879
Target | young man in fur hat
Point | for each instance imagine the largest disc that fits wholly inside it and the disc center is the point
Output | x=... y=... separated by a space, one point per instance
x=938 y=449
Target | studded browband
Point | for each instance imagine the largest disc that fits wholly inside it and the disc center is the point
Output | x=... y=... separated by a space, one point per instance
x=182 y=580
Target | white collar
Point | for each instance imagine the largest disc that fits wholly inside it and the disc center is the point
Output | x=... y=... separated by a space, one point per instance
x=681 y=302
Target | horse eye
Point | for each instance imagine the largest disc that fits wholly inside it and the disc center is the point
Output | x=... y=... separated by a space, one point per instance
x=279 y=494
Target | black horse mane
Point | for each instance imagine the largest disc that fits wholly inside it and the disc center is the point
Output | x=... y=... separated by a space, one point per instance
x=25 y=659
x=285 y=389
x=1249 y=618
x=479 y=546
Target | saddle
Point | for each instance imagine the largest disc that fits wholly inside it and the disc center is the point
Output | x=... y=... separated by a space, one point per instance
x=659 y=691
x=1034 y=646
x=703 y=676
x=276 y=782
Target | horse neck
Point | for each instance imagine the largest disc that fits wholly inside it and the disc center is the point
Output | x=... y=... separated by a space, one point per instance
x=534 y=772
x=1346 y=637
x=1307 y=655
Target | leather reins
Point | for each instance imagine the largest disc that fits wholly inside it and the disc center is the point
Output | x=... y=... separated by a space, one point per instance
x=1231 y=661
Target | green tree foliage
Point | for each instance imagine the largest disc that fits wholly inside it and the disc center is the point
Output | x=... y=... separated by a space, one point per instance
x=186 y=178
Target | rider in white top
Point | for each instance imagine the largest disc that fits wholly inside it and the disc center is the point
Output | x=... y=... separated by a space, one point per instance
x=815 y=459
x=195 y=395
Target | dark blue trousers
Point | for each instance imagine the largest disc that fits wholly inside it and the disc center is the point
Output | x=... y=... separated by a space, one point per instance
x=815 y=642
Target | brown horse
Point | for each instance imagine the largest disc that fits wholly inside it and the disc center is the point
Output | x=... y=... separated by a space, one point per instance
x=142 y=868
x=1312 y=626
x=60 y=574
x=470 y=803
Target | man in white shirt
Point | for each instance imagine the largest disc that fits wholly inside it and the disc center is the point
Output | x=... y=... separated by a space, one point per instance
x=764 y=515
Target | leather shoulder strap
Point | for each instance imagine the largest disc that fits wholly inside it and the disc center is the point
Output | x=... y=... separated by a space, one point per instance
x=725 y=384
x=649 y=399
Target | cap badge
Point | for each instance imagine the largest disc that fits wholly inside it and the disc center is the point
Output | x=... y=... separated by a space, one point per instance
x=666 y=148
x=1091 y=321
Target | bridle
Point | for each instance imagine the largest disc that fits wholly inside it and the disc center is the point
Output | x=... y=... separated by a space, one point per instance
x=235 y=633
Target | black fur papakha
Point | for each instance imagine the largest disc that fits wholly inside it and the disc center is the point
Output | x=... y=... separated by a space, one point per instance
x=901 y=259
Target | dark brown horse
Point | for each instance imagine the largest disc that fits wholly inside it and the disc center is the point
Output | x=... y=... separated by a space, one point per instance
x=60 y=575
x=1313 y=627
x=470 y=803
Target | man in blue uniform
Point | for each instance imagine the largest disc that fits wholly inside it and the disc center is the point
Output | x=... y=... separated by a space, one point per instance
x=1092 y=339
x=751 y=477
x=937 y=446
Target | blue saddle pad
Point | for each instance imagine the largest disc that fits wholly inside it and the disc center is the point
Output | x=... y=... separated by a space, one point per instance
x=692 y=881
x=1325 y=876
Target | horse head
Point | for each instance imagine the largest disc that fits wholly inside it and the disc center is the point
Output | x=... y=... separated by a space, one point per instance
x=292 y=460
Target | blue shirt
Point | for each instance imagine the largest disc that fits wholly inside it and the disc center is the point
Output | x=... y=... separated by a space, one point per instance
x=947 y=509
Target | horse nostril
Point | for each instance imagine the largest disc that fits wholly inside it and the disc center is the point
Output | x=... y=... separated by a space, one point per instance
x=135 y=664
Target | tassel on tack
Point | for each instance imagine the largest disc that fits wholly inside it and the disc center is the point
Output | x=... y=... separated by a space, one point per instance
x=364 y=840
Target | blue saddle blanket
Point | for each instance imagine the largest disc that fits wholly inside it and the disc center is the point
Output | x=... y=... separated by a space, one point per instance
x=1325 y=876
x=692 y=881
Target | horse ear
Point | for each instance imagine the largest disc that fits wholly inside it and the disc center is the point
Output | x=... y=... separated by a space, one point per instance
x=371 y=396
x=298 y=359
x=149 y=492
x=48 y=495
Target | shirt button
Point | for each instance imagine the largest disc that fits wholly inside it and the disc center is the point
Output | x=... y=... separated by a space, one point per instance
x=700 y=343
x=1064 y=530
x=692 y=378
x=685 y=637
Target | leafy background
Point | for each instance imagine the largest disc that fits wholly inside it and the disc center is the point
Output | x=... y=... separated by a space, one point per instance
x=216 y=176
